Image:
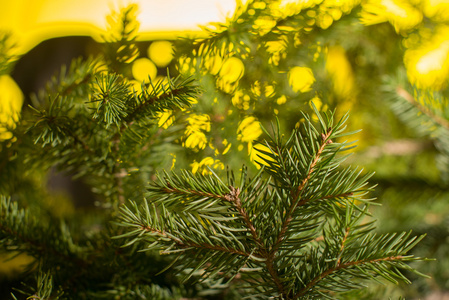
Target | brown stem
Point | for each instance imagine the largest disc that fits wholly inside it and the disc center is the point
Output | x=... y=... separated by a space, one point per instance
x=406 y=95
x=328 y=272
x=297 y=201
x=187 y=244
x=296 y=193
x=342 y=247
x=234 y=198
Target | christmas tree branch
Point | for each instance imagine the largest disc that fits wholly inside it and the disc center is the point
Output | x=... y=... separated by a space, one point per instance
x=175 y=94
x=341 y=266
x=409 y=98
x=187 y=245
x=262 y=224
x=28 y=236
x=296 y=193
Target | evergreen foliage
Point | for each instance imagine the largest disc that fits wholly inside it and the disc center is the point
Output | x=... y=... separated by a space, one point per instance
x=299 y=233
x=294 y=224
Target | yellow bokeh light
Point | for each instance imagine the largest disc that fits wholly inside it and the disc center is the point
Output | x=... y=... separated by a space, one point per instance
x=241 y=100
x=166 y=119
x=434 y=59
x=438 y=10
x=249 y=129
x=161 y=53
x=206 y=162
x=213 y=63
x=143 y=68
x=196 y=139
x=32 y=22
x=301 y=79
x=194 y=131
x=281 y=100
x=257 y=157
x=11 y=100
x=230 y=73
x=199 y=122
x=232 y=70
x=340 y=71
x=316 y=101
x=400 y=13
x=428 y=64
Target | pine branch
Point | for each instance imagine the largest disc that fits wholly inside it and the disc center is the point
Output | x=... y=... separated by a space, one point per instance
x=437 y=119
x=297 y=201
x=172 y=95
x=307 y=211
x=426 y=113
x=339 y=267
x=187 y=245
x=20 y=232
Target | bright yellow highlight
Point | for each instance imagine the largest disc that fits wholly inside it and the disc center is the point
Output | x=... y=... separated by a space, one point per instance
x=428 y=65
x=161 y=53
x=434 y=59
x=213 y=64
x=227 y=146
x=400 y=13
x=301 y=79
x=11 y=100
x=136 y=86
x=340 y=71
x=241 y=100
x=206 y=162
x=173 y=162
x=194 y=131
x=276 y=46
x=281 y=100
x=143 y=68
x=166 y=119
x=33 y=21
x=257 y=157
x=263 y=25
x=230 y=73
x=317 y=103
x=438 y=10
x=249 y=129
x=277 y=49
x=196 y=139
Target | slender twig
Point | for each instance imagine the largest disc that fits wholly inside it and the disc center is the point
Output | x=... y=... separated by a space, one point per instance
x=187 y=244
x=296 y=193
x=174 y=190
x=78 y=140
x=343 y=244
x=234 y=198
x=406 y=95
x=328 y=272
x=150 y=101
x=297 y=201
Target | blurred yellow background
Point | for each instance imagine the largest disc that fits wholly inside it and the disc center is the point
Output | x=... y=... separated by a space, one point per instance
x=32 y=21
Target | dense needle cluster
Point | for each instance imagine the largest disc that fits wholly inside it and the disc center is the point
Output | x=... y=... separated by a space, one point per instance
x=298 y=229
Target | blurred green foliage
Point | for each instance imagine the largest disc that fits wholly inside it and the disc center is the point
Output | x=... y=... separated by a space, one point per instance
x=384 y=61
